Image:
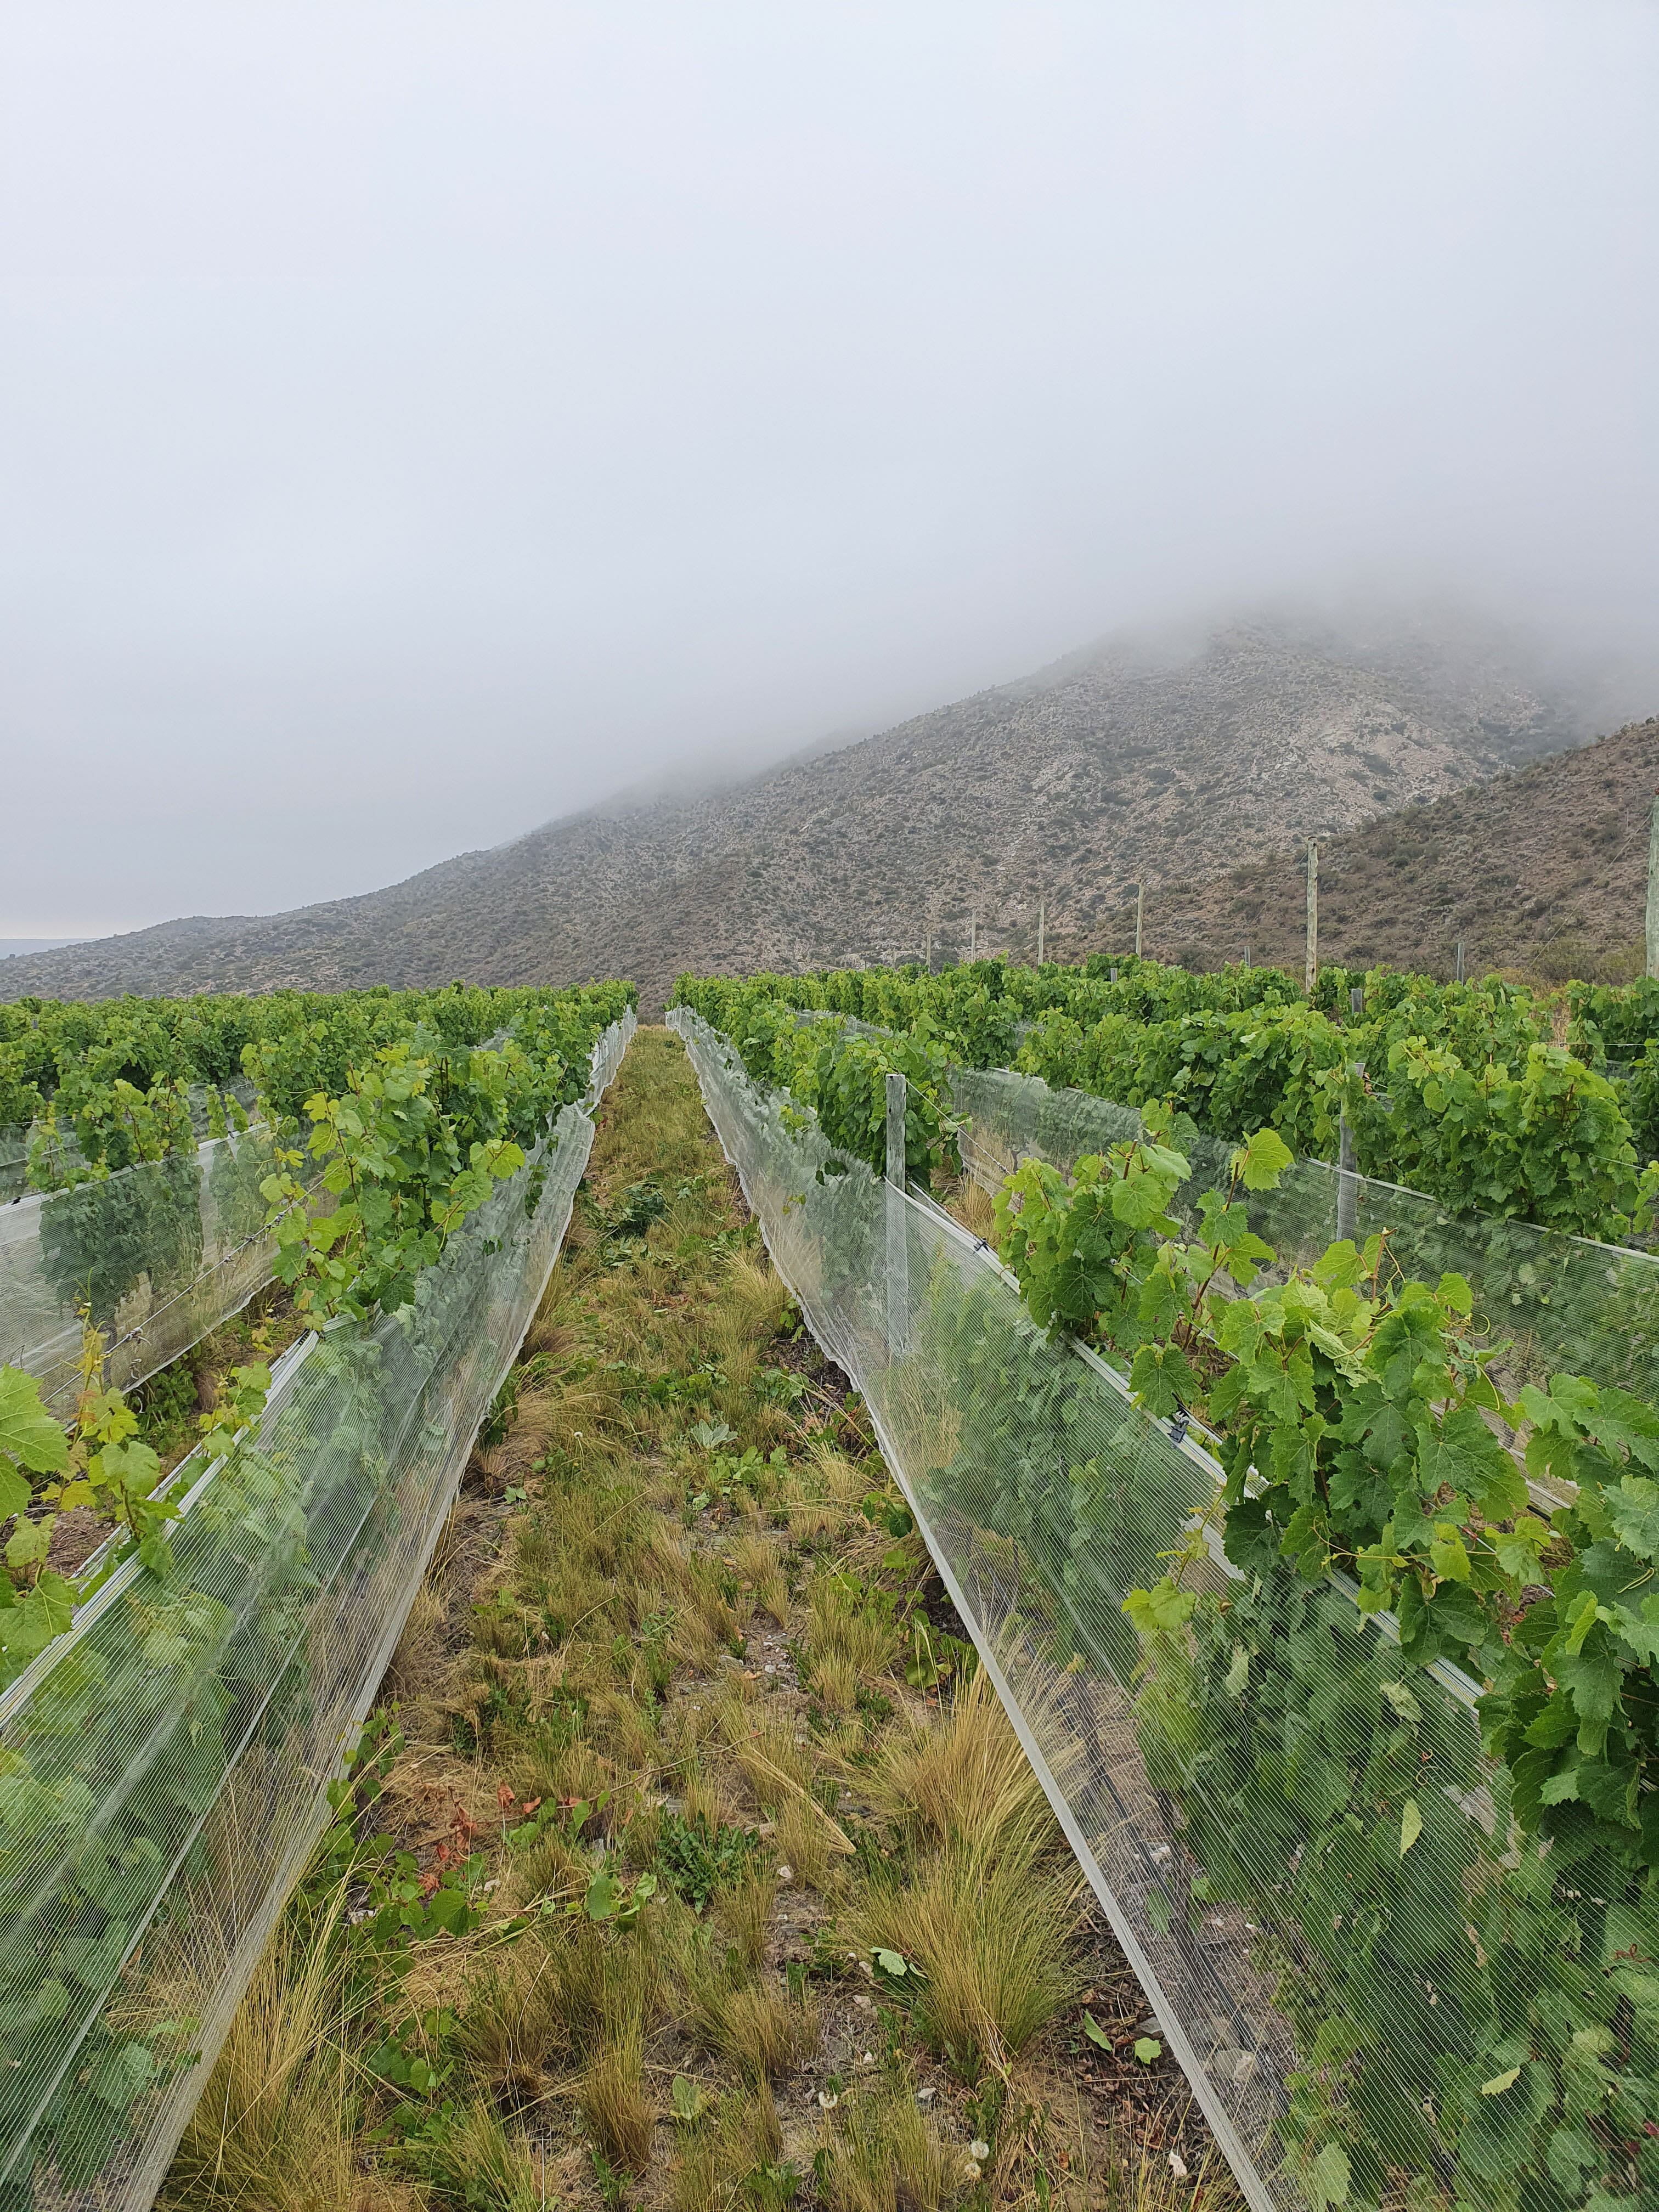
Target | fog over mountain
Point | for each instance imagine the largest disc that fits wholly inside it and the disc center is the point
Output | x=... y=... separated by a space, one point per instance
x=1163 y=759
x=417 y=423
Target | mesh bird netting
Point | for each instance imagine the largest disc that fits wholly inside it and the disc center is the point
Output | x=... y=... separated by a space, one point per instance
x=1559 y=1302
x=163 y=1764
x=156 y=1255
x=1380 y=1990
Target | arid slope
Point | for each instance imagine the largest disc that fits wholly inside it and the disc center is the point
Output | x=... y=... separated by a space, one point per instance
x=1173 y=765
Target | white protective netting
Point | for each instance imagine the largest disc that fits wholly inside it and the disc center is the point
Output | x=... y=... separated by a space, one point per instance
x=1443 y=2025
x=1561 y=1303
x=15 y=1138
x=159 y=1254
x=163 y=1764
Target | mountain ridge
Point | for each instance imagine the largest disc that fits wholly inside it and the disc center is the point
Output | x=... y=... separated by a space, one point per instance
x=1164 y=760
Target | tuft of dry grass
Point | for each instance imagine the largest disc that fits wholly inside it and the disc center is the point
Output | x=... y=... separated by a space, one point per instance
x=755 y=1292
x=755 y=1561
x=475 y=2161
x=850 y=1638
x=805 y=1842
x=719 y=2166
x=743 y=1917
x=515 y=2029
x=276 y=2125
x=974 y=1208
x=419 y=1662
x=834 y=1681
x=961 y=1777
x=992 y=1939
x=751 y=2022
x=612 y=2098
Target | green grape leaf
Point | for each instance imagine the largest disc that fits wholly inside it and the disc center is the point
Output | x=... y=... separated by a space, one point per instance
x=1262 y=1159
x=29 y=1542
x=1633 y=1509
x=15 y=1490
x=1329 y=2176
x=28 y=1435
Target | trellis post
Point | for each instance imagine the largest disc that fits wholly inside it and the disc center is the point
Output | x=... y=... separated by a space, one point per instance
x=1348 y=1181
x=898 y=1256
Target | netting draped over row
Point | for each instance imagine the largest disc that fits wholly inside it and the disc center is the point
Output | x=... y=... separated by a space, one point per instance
x=1378 y=1990
x=15 y=1138
x=159 y=1254
x=163 y=1764
x=1565 y=1303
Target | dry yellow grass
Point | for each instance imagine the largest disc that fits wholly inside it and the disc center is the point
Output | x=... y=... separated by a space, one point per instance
x=276 y=2127
x=992 y=1936
x=612 y=2099
x=960 y=1776
x=885 y=2156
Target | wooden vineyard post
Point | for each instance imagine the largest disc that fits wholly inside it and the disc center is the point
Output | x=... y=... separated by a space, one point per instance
x=1653 y=890
x=1460 y=946
x=1312 y=977
x=898 y=1241
x=1347 y=1181
x=973 y=934
x=1041 y=916
x=1140 y=909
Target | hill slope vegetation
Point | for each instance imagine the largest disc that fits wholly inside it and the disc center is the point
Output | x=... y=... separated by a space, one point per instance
x=1176 y=764
x=1543 y=870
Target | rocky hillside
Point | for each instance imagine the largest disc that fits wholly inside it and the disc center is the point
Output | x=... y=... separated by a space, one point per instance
x=1124 y=761
x=1543 y=870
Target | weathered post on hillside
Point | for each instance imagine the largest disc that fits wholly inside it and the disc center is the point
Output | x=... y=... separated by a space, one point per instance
x=1313 y=918
x=973 y=934
x=1653 y=890
x=1140 y=909
x=1041 y=916
x=1459 y=956
x=898 y=1242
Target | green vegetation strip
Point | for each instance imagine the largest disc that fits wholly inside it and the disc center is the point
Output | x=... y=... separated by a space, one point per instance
x=1485 y=1096
x=691 y=1863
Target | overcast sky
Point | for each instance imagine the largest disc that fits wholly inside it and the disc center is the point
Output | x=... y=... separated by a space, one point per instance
x=419 y=421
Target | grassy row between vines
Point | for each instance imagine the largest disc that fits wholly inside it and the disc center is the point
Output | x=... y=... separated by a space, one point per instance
x=755 y=1900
